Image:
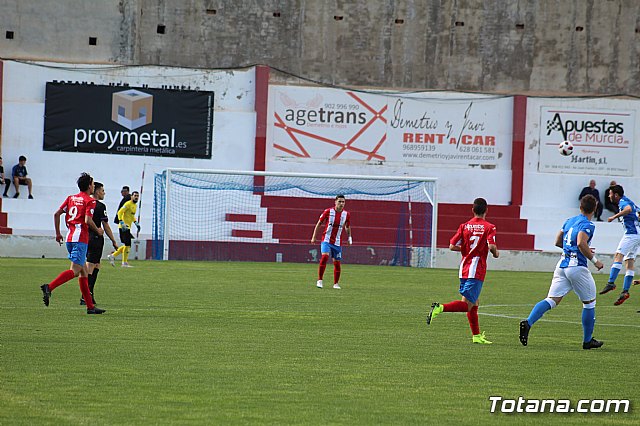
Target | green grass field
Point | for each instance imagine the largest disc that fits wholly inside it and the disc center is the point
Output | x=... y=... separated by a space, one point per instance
x=238 y=343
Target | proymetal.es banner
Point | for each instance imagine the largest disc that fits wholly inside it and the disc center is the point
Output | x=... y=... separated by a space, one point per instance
x=602 y=141
x=128 y=120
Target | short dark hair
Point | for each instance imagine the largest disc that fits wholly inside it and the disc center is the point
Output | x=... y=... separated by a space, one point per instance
x=588 y=204
x=340 y=196
x=124 y=188
x=479 y=206
x=135 y=192
x=617 y=189
x=96 y=186
x=84 y=181
x=22 y=158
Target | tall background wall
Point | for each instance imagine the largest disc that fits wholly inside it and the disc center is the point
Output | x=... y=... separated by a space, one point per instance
x=545 y=48
x=568 y=46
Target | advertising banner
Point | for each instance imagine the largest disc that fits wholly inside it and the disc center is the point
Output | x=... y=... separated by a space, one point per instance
x=602 y=141
x=128 y=120
x=333 y=124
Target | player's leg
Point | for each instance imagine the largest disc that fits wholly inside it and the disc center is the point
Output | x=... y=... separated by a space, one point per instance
x=325 y=250
x=80 y=266
x=616 y=266
x=470 y=292
x=127 y=248
x=83 y=279
x=560 y=286
x=96 y=246
x=585 y=287
x=472 y=316
x=453 y=306
x=629 y=264
x=123 y=237
x=62 y=278
x=92 y=282
x=336 y=253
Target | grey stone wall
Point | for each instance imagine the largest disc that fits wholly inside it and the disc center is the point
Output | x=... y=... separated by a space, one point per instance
x=514 y=46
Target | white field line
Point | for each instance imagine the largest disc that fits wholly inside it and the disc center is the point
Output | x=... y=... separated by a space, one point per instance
x=546 y=320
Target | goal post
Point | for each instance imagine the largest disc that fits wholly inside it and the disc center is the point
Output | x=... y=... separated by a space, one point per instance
x=202 y=214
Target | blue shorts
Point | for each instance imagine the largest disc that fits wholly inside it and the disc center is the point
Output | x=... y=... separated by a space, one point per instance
x=470 y=288
x=334 y=250
x=77 y=253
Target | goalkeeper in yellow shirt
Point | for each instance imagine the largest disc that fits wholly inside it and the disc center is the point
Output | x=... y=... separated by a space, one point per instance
x=127 y=218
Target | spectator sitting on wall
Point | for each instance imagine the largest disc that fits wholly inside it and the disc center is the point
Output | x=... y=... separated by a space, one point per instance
x=591 y=190
x=4 y=180
x=608 y=204
x=20 y=176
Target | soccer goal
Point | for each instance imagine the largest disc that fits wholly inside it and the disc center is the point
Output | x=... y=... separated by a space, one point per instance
x=270 y=216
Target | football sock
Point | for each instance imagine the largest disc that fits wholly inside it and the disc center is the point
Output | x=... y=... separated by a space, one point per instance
x=119 y=251
x=456 y=306
x=336 y=271
x=615 y=270
x=125 y=254
x=588 y=320
x=61 y=279
x=628 y=280
x=92 y=279
x=323 y=265
x=86 y=294
x=541 y=307
x=472 y=316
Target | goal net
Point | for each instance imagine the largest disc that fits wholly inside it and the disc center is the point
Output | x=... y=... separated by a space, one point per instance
x=270 y=216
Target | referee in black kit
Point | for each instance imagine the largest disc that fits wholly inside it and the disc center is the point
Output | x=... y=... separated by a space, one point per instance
x=96 y=242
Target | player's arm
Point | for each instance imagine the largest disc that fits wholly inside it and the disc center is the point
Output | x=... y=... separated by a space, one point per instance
x=583 y=246
x=107 y=230
x=625 y=211
x=315 y=230
x=88 y=219
x=56 y=225
x=559 y=238
x=121 y=215
x=349 y=239
x=455 y=243
x=491 y=243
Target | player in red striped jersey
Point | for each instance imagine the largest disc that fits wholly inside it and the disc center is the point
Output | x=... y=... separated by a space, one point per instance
x=78 y=210
x=335 y=220
x=474 y=239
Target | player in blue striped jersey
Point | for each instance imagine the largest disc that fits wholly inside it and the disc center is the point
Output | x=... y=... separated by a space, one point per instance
x=629 y=245
x=572 y=273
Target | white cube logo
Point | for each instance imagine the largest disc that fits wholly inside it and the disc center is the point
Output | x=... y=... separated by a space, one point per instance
x=132 y=108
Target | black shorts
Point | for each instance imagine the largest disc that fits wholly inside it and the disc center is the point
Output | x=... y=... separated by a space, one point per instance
x=94 y=251
x=125 y=237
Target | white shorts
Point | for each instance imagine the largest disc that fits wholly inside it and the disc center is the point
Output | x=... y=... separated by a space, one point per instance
x=576 y=278
x=629 y=246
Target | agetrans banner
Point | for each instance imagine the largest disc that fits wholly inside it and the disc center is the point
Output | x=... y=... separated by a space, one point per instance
x=332 y=124
x=128 y=120
x=602 y=141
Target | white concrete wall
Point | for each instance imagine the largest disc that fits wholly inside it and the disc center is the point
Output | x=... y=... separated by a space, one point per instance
x=54 y=173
